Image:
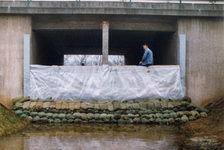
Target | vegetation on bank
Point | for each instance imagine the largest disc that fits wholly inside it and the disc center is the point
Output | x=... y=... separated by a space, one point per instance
x=9 y=123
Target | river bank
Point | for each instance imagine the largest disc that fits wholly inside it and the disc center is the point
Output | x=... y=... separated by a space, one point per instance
x=10 y=123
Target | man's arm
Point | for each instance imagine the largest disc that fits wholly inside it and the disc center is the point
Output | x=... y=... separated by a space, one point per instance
x=145 y=55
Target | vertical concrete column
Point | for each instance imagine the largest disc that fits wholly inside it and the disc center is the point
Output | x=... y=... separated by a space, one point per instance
x=27 y=41
x=105 y=41
x=182 y=59
x=12 y=30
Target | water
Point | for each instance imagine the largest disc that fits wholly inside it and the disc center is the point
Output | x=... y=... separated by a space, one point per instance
x=94 y=137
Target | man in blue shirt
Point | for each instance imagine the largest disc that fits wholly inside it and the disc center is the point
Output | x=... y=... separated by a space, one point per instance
x=147 y=58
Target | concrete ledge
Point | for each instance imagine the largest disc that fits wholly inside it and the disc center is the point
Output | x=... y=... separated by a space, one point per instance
x=118 y=8
x=128 y=112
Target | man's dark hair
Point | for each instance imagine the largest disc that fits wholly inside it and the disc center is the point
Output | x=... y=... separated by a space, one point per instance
x=145 y=44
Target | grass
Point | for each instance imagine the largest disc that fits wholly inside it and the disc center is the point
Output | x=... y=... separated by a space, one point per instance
x=9 y=123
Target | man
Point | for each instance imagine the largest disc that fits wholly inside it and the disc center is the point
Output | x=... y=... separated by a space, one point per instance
x=147 y=58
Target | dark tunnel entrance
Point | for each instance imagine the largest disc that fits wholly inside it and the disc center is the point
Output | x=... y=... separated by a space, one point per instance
x=49 y=46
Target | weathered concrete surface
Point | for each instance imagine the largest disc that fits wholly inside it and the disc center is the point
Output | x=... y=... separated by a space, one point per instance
x=205 y=58
x=12 y=30
x=117 y=22
x=119 y=8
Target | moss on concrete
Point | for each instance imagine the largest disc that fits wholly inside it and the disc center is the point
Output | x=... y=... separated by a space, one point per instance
x=9 y=123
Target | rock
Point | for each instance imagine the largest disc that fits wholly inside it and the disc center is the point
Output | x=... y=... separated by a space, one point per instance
x=187 y=99
x=36 y=119
x=57 y=121
x=173 y=115
x=77 y=115
x=58 y=106
x=33 y=114
x=26 y=105
x=23 y=116
x=110 y=106
x=171 y=121
x=136 y=120
x=29 y=118
x=125 y=117
x=39 y=105
x=61 y=116
x=55 y=116
x=33 y=105
x=116 y=105
x=170 y=105
x=144 y=120
x=41 y=114
x=77 y=105
x=69 y=116
x=103 y=106
x=103 y=116
x=158 y=115
x=20 y=99
x=71 y=106
x=46 y=105
x=52 y=106
x=166 y=115
x=18 y=105
x=49 y=115
x=180 y=113
x=18 y=112
x=64 y=105
x=96 y=116
x=83 y=105
x=150 y=105
x=89 y=116
x=50 y=120
x=44 y=119
x=143 y=105
x=90 y=105
x=96 y=106
x=184 y=119
x=77 y=120
x=158 y=105
x=64 y=120
x=195 y=114
x=203 y=114
x=136 y=106
x=201 y=109
x=70 y=120
x=158 y=120
x=84 y=116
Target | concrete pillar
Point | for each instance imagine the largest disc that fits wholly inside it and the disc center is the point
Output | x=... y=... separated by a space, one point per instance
x=27 y=42
x=105 y=42
x=204 y=58
x=12 y=30
x=182 y=59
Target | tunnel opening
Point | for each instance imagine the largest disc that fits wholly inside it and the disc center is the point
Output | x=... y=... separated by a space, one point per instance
x=50 y=46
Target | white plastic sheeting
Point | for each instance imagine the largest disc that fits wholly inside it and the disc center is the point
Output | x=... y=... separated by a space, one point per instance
x=105 y=82
x=92 y=60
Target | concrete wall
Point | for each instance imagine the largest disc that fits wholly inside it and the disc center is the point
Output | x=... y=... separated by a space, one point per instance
x=12 y=30
x=205 y=58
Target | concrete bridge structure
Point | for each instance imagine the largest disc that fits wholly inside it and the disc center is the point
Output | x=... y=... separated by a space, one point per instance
x=190 y=35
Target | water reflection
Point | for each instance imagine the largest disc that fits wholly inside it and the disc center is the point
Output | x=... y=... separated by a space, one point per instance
x=93 y=137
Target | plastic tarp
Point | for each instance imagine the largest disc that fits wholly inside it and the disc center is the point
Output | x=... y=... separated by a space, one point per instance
x=92 y=60
x=105 y=82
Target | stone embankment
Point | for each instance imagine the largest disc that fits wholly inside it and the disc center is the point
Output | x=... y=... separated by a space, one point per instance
x=127 y=112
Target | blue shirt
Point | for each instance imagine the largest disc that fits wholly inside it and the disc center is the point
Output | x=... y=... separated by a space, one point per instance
x=147 y=58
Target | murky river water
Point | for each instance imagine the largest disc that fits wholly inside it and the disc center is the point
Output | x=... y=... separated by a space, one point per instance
x=93 y=137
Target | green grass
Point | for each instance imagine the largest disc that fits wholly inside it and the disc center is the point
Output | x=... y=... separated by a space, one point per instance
x=9 y=123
